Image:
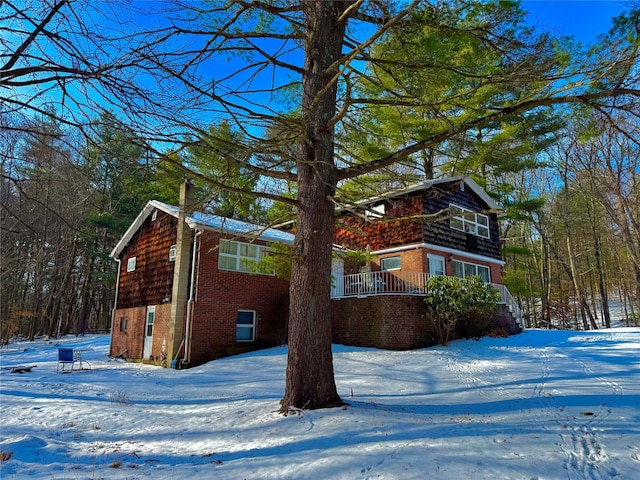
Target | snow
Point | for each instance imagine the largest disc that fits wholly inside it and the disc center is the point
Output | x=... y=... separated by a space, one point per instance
x=539 y=405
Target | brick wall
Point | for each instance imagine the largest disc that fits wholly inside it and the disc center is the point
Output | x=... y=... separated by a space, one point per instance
x=394 y=322
x=128 y=343
x=504 y=320
x=219 y=296
x=411 y=261
x=132 y=341
x=389 y=322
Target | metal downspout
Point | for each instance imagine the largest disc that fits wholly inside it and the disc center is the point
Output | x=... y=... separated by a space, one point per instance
x=192 y=289
x=115 y=303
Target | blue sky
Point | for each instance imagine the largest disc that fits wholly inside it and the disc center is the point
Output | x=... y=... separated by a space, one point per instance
x=582 y=19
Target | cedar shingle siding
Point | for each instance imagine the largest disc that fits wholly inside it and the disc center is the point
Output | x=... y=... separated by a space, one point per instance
x=437 y=199
x=151 y=281
x=356 y=233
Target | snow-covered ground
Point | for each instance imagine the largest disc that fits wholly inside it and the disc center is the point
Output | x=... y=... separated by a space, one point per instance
x=540 y=405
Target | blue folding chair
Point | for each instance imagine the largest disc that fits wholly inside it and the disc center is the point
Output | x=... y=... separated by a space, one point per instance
x=65 y=358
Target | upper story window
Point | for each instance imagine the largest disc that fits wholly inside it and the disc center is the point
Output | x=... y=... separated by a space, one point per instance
x=172 y=253
x=376 y=211
x=240 y=256
x=131 y=264
x=470 y=222
x=390 y=263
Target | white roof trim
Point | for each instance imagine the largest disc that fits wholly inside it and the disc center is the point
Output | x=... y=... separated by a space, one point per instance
x=477 y=189
x=203 y=221
x=438 y=248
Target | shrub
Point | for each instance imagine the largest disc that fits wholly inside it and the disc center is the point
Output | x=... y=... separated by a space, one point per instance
x=460 y=305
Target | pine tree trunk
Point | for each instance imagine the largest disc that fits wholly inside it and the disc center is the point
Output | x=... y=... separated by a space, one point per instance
x=310 y=381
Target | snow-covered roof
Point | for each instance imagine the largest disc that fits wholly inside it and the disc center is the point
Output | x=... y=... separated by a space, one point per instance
x=426 y=184
x=204 y=221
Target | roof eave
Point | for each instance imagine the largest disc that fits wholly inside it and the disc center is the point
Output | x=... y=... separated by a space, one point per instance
x=135 y=226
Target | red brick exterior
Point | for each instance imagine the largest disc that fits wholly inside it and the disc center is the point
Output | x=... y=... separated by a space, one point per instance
x=386 y=321
x=396 y=322
x=219 y=296
x=416 y=260
x=129 y=344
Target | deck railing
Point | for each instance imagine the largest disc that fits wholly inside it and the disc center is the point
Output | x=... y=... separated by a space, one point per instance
x=394 y=282
x=379 y=283
x=507 y=299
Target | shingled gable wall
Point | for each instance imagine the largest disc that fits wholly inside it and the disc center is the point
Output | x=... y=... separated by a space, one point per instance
x=149 y=284
x=219 y=296
x=437 y=199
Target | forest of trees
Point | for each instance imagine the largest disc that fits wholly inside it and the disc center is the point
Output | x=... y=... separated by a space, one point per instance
x=284 y=110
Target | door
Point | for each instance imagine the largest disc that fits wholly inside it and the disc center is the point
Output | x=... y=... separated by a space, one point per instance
x=148 y=332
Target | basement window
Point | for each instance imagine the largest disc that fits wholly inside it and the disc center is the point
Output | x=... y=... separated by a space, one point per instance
x=246 y=326
x=131 y=264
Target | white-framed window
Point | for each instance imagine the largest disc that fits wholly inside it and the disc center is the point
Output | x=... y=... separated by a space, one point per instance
x=467 y=221
x=390 y=263
x=436 y=265
x=123 y=324
x=377 y=211
x=172 y=253
x=465 y=269
x=131 y=264
x=154 y=215
x=246 y=326
x=151 y=318
x=240 y=256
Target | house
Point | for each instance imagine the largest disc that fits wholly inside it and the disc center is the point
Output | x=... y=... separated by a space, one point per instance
x=186 y=291
x=184 y=294
x=437 y=227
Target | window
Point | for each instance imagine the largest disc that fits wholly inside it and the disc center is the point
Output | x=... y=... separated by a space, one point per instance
x=131 y=264
x=468 y=221
x=390 y=263
x=154 y=216
x=377 y=211
x=123 y=324
x=464 y=269
x=245 y=326
x=172 y=253
x=436 y=265
x=239 y=257
x=151 y=317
